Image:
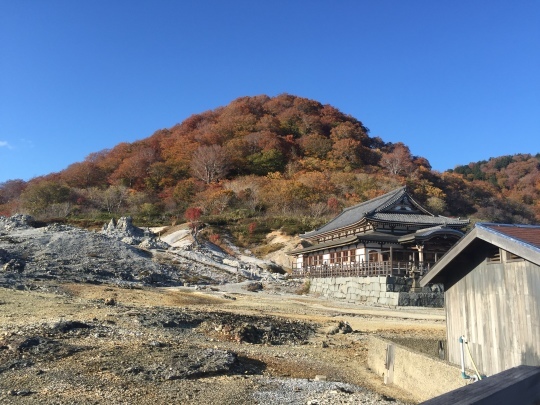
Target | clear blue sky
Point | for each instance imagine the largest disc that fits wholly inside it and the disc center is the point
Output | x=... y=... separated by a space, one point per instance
x=457 y=81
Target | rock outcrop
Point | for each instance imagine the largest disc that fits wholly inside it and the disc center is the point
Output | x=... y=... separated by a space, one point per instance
x=121 y=254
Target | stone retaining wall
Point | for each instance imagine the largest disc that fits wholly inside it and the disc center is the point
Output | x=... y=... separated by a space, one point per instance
x=382 y=290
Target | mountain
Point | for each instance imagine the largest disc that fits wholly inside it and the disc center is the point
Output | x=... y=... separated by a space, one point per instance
x=511 y=187
x=264 y=163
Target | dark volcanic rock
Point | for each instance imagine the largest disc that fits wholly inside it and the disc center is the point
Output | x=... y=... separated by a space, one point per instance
x=254 y=286
x=18 y=352
x=230 y=326
x=14 y=265
x=200 y=363
x=67 y=326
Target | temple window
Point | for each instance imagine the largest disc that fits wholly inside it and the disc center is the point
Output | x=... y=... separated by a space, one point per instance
x=373 y=256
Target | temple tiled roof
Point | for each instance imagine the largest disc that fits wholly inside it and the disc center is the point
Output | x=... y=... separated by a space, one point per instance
x=426 y=233
x=332 y=243
x=355 y=213
x=418 y=219
x=374 y=210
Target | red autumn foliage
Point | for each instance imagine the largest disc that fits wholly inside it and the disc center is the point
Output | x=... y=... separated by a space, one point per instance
x=252 y=227
x=193 y=214
x=284 y=156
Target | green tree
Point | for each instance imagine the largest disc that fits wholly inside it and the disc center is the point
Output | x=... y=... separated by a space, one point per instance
x=267 y=161
x=40 y=196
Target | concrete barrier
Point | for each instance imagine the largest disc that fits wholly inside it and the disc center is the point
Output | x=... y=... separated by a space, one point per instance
x=425 y=377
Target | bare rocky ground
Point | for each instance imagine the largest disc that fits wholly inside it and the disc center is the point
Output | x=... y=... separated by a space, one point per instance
x=87 y=319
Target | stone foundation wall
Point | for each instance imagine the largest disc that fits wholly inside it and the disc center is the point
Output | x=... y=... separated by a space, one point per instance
x=382 y=290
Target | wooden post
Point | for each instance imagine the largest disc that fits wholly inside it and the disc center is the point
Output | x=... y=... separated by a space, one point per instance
x=420 y=254
x=392 y=258
x=389 y=364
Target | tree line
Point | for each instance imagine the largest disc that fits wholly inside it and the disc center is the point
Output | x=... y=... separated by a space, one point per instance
x=266 y=157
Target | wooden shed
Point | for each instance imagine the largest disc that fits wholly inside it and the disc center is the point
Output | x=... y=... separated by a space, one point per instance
x=492 y=296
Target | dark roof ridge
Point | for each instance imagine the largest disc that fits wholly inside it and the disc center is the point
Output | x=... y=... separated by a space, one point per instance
x=391 y=197
x=375 y=210
x=431 y=228
x=397 y=191
x=386 y=195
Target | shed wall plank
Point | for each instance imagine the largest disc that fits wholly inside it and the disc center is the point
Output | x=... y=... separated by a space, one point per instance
x=496 y=306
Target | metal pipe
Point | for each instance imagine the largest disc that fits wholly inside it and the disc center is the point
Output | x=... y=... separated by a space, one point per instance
x=462 y=342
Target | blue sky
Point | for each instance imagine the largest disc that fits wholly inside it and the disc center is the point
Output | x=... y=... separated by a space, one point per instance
x=457 y=81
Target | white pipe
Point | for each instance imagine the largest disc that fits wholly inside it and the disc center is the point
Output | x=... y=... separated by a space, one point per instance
x=463 y=374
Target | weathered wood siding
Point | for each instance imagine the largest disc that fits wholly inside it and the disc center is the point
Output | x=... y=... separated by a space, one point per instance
x=497 y=308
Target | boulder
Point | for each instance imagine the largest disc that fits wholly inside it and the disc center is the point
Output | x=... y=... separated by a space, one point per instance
x=203 y=362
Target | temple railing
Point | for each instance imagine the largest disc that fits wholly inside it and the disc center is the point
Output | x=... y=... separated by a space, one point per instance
x=362 y=269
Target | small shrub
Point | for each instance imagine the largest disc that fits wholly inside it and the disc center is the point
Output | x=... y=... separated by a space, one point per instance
x=264 y=250
x=252 y=227
x=254 y=286
x=304 y=288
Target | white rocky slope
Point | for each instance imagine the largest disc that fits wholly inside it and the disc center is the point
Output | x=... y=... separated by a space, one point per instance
x=121 y=253
x=284 y=244
x=242 y=264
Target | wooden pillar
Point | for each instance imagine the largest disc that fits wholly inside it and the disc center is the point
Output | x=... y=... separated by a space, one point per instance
x=391 y=260
x=420 y=253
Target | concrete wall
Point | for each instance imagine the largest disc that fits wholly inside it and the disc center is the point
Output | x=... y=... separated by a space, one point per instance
x=381 y=290
x=423 y=376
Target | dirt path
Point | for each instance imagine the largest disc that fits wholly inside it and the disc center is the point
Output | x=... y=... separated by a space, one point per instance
x=361 y=318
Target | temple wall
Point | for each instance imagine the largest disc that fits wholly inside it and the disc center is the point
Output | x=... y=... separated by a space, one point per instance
x=380 y=290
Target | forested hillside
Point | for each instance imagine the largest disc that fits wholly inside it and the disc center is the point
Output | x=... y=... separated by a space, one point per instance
x=265 y=163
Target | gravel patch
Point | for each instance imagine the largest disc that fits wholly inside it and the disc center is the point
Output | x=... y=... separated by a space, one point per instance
x=279 y=391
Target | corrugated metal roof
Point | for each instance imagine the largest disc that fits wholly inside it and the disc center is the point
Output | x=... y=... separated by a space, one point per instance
x=521 y=240
x=528 y=234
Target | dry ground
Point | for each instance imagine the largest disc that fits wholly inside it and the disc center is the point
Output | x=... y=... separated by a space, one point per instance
x=103 y=344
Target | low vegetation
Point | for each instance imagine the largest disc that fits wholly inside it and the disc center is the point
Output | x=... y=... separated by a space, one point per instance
x=304 y=288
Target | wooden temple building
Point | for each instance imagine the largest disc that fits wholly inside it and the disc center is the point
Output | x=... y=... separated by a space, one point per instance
x=388 y=235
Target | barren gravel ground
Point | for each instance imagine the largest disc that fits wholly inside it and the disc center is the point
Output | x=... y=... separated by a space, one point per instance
x=105 y=318
x=90 y=344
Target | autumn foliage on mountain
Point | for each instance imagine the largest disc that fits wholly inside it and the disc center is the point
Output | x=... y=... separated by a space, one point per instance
x=270 y=162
